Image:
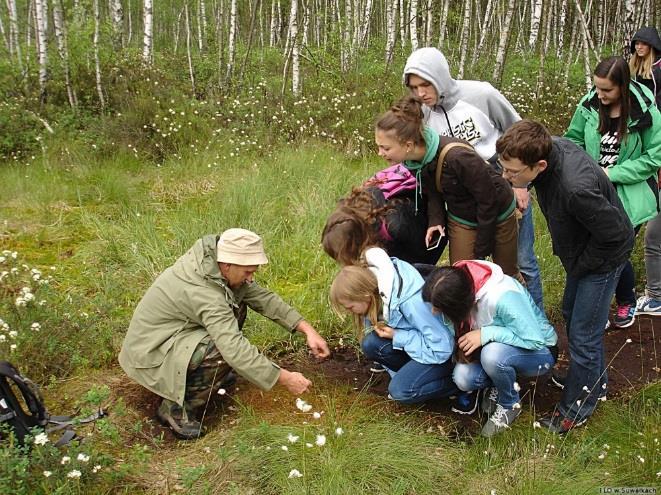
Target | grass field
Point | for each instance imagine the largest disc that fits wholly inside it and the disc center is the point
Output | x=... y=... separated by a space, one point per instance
x=103 y=225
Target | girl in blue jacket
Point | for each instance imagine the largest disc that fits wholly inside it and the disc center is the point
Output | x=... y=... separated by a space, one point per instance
x=385 y=298
x=492 y=312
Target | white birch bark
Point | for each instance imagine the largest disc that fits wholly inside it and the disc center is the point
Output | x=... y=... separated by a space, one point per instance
x=129 y=36
x=198 y=17
x=547 y=25
x=117 y=16
x=465 y=34
x=442 y=24
x=177 y=30
x=535 y=19
x=413 y=24
x=391 y=33
x=42 y=48
x=203 y=18
x=97 y=62
x=561 y=27
x=272 y=36
x=587 y=66
x=295 y=52
x=502 y=43
x=148 y=34
x=63 y=51
x=366 y=22
x=231 y=44
x=306 y=23
x=189 y=55
x=429 y=30
x=3 y=33
x=345 y=52
x=585 y=29
x=14 y=34
x=486 y=24
x=630 y=7
x=403 y=22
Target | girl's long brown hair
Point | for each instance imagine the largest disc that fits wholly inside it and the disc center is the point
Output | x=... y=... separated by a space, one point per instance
x=616 y=70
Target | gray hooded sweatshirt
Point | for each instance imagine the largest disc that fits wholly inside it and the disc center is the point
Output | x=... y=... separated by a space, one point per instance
x=471 y=110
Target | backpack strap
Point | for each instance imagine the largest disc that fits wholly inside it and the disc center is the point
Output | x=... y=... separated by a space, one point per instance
x=441 y=159
x=36 y=414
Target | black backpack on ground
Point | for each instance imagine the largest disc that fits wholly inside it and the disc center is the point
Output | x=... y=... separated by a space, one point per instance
x=29 y=412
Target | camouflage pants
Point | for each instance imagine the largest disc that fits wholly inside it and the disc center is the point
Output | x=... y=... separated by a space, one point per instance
x=205 y=374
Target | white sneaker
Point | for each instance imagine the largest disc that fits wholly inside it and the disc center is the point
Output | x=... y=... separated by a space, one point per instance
x=648 y=306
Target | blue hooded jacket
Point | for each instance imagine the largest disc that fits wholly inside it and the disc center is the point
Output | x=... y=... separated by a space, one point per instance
x=418 y=332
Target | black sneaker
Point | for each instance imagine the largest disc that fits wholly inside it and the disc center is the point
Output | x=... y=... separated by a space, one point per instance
x=625 y=315
x=467 y=402
x=557 y=423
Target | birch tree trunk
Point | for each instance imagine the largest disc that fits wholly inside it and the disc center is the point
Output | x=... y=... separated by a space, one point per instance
x=191 y=72
x=148 y=36
x=295 y=62
x=42 y=48
x=61 y=38
x=117 y=15
x=630 y=7
x=365 y=29
x=3 y=33
x=251 y=30
x=272 y=36
x=502 y=43
x=14 y=34
x=97 y=62
x=306 y=23
x=443 y=24
x=465 y=34
x=535 y=19
x=345 y=51
x=391 y=33
x=231 y=44
x=586 y=32
x=486 y=24
x=403 y=22
x=561 y=27
x=129 y=37
x=413 y=24
x=200 y=36
x=429 y=30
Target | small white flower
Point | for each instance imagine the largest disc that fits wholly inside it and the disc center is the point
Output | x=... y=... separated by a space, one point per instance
x=578 y=402
x=601 y=456
x=321 y=440
x=309 y=445
x=12 y=347
x=295 y=473
x=628 y=341
x=292 y=438
x=65 y=460
x=339 y=431
x=585 y=388
x=2 y=337
x=536 y=424
x=285 y=448
x=516 y=405
x=604 y=386
x=41 y=439
x=96 y=468
x=641 y=459
x=35 y=326
x=493 y=492
x=83 y=458
x=222 y=391
x=74 y=474
x=516 y=386
x=47 y=473
x=316 y=415
x=13 y=334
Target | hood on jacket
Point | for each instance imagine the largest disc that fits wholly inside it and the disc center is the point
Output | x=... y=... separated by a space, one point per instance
x=408 y=282
x=647 y=35
x=639 y=110
x=483 y=273
x=431 y=65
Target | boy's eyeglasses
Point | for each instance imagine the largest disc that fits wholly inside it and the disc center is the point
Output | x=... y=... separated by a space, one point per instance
x=510 y=173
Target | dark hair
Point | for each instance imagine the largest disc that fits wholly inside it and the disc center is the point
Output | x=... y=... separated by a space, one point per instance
x=404 y=120
x=616 y=70
x=525 y=140
x=451 y=291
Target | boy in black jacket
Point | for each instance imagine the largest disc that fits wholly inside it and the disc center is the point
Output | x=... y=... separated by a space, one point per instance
x=591 y=235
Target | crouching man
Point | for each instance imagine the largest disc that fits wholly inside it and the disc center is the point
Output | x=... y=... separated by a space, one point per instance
x=185 y=335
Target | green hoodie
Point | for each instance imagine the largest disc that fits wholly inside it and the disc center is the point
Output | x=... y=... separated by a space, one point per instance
x=188 y=302
x=636 y=171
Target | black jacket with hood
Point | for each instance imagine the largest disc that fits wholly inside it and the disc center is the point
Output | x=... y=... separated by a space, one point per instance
x=650 y=36
x=590 y=230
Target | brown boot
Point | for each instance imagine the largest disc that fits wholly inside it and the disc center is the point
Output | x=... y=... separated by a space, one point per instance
x=178 y=419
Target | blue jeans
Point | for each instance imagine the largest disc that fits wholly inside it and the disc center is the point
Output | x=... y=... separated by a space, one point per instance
x=412 y=382
x=585 y=306
x=499 y=366
x=528 y=265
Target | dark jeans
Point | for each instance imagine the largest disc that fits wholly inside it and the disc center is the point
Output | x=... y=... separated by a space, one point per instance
x=625 y=292
x=585 y=306
x=528 y=265
x=413 y=382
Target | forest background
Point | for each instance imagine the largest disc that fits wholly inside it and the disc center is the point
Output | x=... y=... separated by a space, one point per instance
x=129 y=129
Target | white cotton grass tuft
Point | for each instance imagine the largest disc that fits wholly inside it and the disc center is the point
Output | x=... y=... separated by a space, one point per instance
x=292 y=438
x=536 y=424
x=301 y=405
x=222 y=391
x=516 y=405
x=516 y=387
x=628 y=341
x=585 y=388
x=339 y=431
x=316 y=415
x=321 y=440
x=295 y=473
x=285 y=448
x=309 y=445
x=41 y=439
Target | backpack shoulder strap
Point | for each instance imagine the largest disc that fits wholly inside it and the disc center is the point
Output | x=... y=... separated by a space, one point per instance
x=36 y=414
x=441 y=159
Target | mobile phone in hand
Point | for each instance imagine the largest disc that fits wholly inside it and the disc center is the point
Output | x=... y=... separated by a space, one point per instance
x=435 y=240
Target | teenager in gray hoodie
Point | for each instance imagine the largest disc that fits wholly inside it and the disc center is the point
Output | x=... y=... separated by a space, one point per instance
x=478 y=113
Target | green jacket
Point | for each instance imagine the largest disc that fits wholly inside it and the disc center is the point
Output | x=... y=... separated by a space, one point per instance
x=635 y=174
x=189 y=301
